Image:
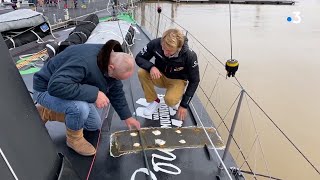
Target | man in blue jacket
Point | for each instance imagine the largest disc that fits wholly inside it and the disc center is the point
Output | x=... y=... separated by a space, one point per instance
x=80 y=78
x=175 y=66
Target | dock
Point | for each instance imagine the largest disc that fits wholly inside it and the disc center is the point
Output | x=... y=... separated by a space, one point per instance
x=267 y=2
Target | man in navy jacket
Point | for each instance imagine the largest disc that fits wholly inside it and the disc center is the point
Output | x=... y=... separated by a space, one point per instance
x=80 y=78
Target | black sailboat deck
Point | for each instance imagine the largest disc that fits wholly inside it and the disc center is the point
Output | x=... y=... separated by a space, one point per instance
x=184 y=164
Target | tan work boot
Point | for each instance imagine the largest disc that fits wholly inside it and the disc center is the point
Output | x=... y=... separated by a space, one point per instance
x=49 y=115
x=78 y=143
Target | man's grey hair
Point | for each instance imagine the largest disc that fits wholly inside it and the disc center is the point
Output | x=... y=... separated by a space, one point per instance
x=123 y=62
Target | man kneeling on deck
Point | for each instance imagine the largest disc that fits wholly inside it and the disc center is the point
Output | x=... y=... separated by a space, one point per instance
x=175 y=64
x=79 y=78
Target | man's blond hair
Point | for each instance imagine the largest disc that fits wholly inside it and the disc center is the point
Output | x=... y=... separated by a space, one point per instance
x=172 y=39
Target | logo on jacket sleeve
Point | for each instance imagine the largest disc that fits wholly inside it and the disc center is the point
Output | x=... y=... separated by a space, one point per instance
x=159 y=54
x=144 y=50
x=178 y=68
x=195 y=64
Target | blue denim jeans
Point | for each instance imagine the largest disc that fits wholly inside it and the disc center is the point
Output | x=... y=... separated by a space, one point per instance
x=78 y=114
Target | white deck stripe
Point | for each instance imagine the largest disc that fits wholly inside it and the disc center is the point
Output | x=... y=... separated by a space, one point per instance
x=8 y=164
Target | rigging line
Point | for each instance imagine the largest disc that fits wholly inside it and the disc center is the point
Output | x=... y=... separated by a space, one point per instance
x=295 y=146
x=220 y=74
x=205 y=107
x=207 y=48
x=262 y=109
x=231 y=106
x=239 y=82
x=208 y=61
x=230 y=28
x=243 y=156
x=222 y=119
x=135 y=115
x=195 y=39
x=165 y=25
x=263 y=156
x=227 y=129
x=214 y=148
x=200 y=52
x=204 y=72
x=231 y=51
x=214 y=87
x=257 y=174
x=210 y=102
x=246 y=158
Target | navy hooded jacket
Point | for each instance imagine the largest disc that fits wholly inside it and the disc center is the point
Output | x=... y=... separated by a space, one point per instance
x=74 y=75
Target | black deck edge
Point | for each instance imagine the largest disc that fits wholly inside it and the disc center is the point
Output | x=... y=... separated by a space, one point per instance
x=208 y=152
x=192 y=112
x=66 y=170
x=107 y=122
x=24 y=140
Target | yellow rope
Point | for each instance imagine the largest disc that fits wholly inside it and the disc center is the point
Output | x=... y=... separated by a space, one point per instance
x=34 y=57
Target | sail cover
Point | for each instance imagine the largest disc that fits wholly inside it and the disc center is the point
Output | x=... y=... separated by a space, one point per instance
x=21 y=18
x=23 y=26
x=117 y=30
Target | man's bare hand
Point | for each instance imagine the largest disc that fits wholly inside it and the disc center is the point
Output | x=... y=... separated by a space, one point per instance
x=132 y=122
x=102 y=100
x=155 y=73
x=182 y=113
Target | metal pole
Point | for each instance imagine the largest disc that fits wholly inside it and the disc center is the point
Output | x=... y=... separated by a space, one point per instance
x=232 y=129
x=158 y=25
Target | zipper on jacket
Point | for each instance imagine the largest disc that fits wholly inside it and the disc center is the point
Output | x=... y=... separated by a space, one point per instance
x=166 y=69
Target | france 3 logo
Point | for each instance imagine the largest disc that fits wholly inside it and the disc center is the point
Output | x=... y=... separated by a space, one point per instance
x=296 y=19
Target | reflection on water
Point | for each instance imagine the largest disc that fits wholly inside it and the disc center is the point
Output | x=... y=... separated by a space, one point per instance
x=279 y=65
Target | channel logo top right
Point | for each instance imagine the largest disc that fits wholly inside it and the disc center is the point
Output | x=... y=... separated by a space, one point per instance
x=296 y=18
